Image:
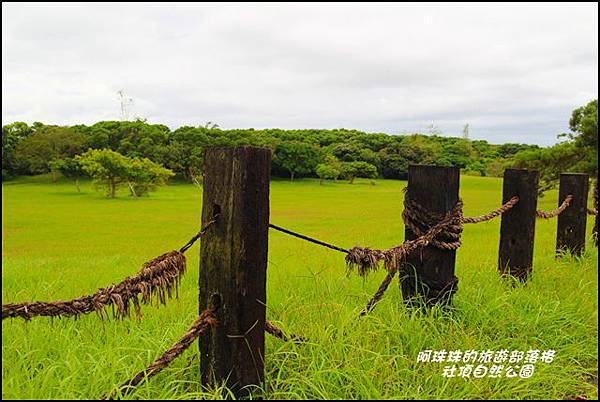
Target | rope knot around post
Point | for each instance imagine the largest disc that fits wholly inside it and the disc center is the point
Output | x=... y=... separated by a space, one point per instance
x=442 y=231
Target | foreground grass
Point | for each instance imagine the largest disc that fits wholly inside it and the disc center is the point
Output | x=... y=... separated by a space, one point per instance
x=58 y=244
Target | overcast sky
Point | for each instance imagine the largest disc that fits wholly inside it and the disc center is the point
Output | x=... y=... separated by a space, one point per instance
x=513 y=72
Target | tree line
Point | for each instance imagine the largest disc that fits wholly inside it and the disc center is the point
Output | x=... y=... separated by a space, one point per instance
x=327 y=154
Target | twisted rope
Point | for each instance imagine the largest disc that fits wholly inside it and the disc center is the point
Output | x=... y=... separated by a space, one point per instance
x=307 y=238
x=379 y=294
x=552 y=214
x=487 y=217
x=157 y=279
x=203 y=323
x=438 y=230
x=199 y=234
x=277 y=332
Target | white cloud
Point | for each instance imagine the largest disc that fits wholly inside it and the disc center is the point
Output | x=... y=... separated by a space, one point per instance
x=513 y=71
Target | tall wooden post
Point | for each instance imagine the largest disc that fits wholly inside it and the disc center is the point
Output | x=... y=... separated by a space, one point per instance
x=233 y=266
x=517 y=230
x=570 y=235
x=429 y=273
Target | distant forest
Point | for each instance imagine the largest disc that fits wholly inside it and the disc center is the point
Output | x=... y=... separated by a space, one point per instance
x=328 y=154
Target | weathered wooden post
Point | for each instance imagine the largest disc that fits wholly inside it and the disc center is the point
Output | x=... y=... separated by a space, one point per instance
x=429 y=273
x=233 y=266
x=517 y=230
x=570 y=234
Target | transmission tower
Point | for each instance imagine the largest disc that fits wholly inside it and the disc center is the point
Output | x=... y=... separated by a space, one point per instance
x=126 y=103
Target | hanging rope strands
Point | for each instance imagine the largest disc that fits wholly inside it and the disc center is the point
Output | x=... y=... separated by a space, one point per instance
x=487 y=217
x=157 y=279
x=431 y=228
x=552 y=214
x=203 y=323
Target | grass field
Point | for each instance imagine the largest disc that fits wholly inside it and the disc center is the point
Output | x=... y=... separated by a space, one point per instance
x=59 y=244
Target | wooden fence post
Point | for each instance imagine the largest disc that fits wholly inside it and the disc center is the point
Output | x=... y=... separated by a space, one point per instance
x=570 y=234
x=517 y=230
x=429 y=273
x=233 y=266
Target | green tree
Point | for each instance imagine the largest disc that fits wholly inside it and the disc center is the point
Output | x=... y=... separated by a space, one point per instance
x=352 y=170
x=109 y=169
x=144 y=176
x=550 y=162
x=70 y=168
x=329 y=170
x=584 y=125
x=296 y=157
x=34 y=153
x=578 y=154
x=12 y=134
x=185 y=152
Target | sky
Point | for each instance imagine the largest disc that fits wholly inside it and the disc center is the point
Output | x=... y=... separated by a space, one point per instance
x=513 y=72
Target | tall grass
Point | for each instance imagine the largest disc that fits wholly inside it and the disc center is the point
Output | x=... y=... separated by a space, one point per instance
x=59 y=244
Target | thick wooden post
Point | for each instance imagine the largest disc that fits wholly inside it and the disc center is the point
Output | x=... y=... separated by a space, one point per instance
x=233 y=266
x=517 y=230
x=429 y=273
x=570 y=235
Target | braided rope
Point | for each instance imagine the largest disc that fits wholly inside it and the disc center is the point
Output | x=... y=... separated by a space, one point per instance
x=552 y=214
x=487 y=217
x=203 y=323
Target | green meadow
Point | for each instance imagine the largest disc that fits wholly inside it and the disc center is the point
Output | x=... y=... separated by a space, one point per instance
x=60 y=244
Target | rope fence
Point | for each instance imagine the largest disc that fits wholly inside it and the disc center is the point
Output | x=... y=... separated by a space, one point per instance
x=440 y=231
x=432 y=229
x=428 y=231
